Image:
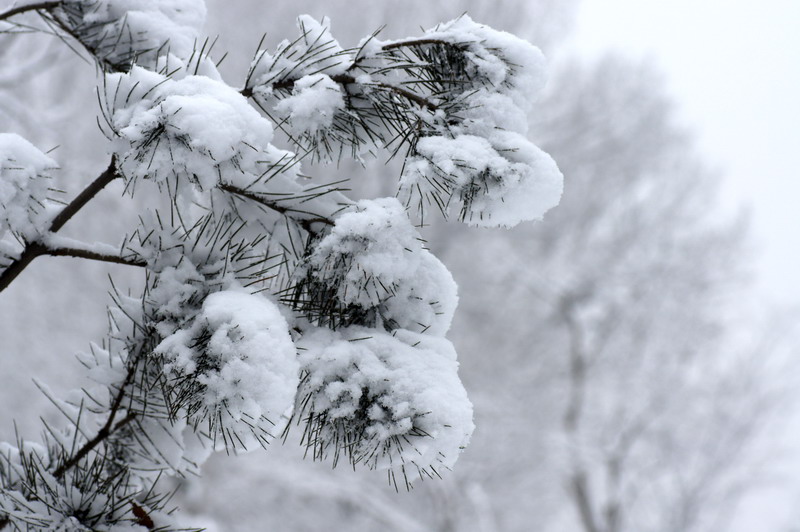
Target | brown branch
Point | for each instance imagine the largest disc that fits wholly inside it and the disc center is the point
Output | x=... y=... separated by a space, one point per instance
x=36 y=249
x=102 y=434
x=29 y=7
x=409 y=95
x=109 y=175
x=92 y=255
x=301 y=217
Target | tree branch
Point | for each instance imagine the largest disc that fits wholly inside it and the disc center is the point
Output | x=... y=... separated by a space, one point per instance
x=29 y=7
x=304 y=219
x=578 y=482
x=346 y=79
x=92 y=255
x=109 y=175
x=405 y=44
x=107 y=429
x=35 y=249
x=416 y=42
x=580 y=491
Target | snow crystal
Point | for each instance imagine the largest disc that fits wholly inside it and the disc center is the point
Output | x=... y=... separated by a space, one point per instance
x=394 y=401
x=239 y=352
x=313 y=104
x=373 y=259
x=24 y=187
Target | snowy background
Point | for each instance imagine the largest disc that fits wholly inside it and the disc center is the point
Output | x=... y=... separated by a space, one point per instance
x=629 y=358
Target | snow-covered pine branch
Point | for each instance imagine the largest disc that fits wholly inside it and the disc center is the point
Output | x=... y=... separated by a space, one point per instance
x=453 y=102
x=269 y=299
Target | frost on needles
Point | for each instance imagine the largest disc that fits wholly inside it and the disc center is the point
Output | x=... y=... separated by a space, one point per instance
x=271 y=302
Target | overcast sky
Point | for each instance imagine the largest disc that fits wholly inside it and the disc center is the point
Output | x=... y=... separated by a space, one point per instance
x=734 y=67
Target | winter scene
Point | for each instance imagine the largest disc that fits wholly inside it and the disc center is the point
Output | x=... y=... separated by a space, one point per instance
x=380 y=266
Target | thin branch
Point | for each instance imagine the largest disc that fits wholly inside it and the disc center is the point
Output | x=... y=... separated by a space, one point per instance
x=578 y=482
x=580 y=490
x=35 y=249
x=411 y=96
x=416 y=42
x=105 y=431
x=298 y=216
x=109 y=175
x=346 y=79
x=29 y=7
x=92 y=255
x=404 y=44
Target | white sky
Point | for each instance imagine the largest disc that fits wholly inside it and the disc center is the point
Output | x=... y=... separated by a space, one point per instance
x=734 y=67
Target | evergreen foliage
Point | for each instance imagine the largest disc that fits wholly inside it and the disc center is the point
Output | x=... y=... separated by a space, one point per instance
x=268 y=299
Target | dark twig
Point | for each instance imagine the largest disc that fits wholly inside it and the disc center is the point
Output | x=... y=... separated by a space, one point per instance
x=107 y=430
x=346 y=79
x=29 y=7
x=92 y=255
x=301 y=217
x=417 y=42
x=35 y=249
x=109 y=175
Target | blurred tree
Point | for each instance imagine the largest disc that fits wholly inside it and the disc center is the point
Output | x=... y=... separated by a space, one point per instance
x=644 y=403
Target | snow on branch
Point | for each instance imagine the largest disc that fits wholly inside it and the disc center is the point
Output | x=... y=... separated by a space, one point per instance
x=455 y=100
x=191 y=134
x=119 y=33
x=234 y=368
x=267 y=297
x=25 y=191
x=385 y=401
x=371 y=269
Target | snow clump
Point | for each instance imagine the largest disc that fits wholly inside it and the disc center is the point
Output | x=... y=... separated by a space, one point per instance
x=315 y=51
x=482 y=164
x=371 y=268
x=389 y=401
x=121 y=32
x=24 y=189
x=314 y=102
x=195 y=130
x=240 y=364
x=497 y=181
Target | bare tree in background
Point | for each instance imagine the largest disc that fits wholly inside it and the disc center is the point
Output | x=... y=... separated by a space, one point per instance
x=628 y=295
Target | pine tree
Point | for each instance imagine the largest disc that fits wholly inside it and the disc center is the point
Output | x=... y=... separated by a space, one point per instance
x=269 y=300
